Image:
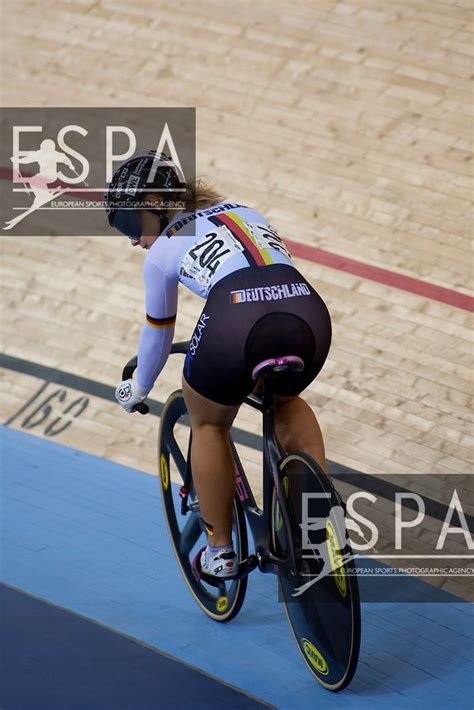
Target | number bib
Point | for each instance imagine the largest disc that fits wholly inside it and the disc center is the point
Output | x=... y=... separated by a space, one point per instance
x=210 y=252
x=267 y=237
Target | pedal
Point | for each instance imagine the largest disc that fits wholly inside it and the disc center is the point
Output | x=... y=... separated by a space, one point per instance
x=246 y=566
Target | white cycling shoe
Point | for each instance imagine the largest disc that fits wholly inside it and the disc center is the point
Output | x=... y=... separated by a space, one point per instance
x=223 y=564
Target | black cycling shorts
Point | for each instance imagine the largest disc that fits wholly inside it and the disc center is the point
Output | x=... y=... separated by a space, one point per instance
x=251 y=315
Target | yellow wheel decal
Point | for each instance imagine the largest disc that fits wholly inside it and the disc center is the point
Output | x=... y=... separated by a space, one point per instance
x=221 y=604
x=316 y=659
x=165 y=474
x=335 y=559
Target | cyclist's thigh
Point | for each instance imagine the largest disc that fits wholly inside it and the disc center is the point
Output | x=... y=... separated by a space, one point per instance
x=206 y=412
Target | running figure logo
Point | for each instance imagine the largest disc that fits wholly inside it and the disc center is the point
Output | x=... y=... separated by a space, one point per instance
x=332 y=560
x=38 y=186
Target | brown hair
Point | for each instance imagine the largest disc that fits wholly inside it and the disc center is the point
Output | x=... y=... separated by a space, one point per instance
x=200 y=195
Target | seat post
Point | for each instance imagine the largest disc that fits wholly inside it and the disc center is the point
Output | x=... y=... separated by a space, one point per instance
x=271 y=446
x=267 y=369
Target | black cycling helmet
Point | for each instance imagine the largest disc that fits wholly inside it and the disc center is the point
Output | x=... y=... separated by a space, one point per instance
x=136 y=177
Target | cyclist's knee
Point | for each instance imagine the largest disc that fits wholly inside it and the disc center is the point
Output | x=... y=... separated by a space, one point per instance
x=219 y=429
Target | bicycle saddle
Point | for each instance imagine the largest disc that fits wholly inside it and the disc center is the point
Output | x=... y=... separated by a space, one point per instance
x=275 y=365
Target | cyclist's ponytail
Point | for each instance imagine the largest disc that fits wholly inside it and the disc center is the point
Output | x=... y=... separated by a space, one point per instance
x=199 y=195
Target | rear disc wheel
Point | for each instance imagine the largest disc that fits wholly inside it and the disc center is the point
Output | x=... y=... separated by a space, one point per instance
x=321 y=597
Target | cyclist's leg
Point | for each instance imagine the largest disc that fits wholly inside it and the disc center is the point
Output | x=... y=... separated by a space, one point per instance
x=296 y=426
x=211 y=462
x=298 y=429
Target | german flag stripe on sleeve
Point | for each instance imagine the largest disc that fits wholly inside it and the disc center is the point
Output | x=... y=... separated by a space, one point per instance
x=160 y=322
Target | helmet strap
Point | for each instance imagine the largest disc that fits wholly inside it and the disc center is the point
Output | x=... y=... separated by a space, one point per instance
x=164 y=219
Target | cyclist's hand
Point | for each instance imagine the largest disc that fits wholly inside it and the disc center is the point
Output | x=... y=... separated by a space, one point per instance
x=129 y=393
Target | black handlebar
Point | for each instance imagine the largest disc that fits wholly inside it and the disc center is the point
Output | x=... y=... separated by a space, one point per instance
x=180 y=347
x=129 y=369
x=127 y=372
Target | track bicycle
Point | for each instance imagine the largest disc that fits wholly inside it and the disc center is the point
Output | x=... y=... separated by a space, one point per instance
x=298 y=534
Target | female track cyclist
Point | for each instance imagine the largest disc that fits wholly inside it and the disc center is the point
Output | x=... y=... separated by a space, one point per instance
x=257 y=306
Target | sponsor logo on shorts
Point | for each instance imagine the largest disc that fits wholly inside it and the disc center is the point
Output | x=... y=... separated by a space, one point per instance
x=269 y=293
x=197 y=335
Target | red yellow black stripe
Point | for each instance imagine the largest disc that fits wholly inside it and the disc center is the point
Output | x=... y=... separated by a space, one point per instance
x=252 y=252
x=160 y=322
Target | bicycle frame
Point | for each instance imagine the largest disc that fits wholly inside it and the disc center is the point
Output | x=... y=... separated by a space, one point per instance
x=259 y=519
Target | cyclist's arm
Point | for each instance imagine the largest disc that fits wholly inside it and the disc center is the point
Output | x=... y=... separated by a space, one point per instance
x=161 y=299
x=27 y=158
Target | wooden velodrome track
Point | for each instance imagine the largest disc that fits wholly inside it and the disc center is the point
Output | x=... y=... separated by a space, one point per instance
x=348 y=124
